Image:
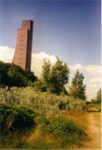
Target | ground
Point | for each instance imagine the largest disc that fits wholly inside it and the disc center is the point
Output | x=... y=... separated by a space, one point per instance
x=94 y=130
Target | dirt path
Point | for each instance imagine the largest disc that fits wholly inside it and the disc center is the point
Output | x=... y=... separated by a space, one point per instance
x=94 y=130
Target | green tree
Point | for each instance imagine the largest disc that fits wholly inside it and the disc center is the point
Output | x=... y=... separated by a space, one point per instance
x=98 y=96
x=3 y=73
x=46 y=70
x=55 y=77
x=77 y=88
x=15 y=78
x=30 y=76
x=73 y=90
x=12 y=75
x=39 y=85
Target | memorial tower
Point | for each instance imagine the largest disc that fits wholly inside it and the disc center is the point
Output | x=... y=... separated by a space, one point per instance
x=22 y=55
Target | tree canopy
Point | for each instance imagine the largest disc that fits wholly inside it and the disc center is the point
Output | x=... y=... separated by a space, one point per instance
x=12 y=75
x=55 y=77
x=77 y=89
x=98 y=96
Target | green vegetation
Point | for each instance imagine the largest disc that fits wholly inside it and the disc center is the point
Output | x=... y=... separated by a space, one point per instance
x=94 y=107
x=40 y=113
x=55 y=132
x=53 y=78
x=77 y=88
x=41 y=102
x=12 y=118
x=67 y=132
x=21 y=112
x=12 y=75
x=98 y=96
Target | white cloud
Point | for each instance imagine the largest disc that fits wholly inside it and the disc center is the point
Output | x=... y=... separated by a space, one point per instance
x=92 y=73
x=93 y=70
x=76 y=67
x=95 y=80
x=89 y=69
x=6 y=53
x=37 y=62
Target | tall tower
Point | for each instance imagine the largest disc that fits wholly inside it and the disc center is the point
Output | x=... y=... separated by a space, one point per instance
x=22 y=56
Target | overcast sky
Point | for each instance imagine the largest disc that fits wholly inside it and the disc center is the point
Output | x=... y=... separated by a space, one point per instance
x=69 y=29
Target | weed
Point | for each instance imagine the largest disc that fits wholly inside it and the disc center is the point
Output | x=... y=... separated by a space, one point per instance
x=67 y=132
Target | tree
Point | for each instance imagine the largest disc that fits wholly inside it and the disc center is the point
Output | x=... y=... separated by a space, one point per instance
x=30 y=76
x=77 y=88
x=39 y=85
x=12 y=75
x=55 y=77
x=98 y=96
x=73 y=90
x=46 y=70
x=3 y=73
x=15 y=78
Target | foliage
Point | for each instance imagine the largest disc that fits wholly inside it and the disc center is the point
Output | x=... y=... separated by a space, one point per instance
x=11 y=140
x=77 y=88
x=98 y=96
x=94 y=107
x=16 y=117
x=39 y=85
x=74 y=91
x=67 y=132
x=46 y=69
x=41 y=102
x=52 y=133
x=38 y=143
x=12 y=75
x=55 y=77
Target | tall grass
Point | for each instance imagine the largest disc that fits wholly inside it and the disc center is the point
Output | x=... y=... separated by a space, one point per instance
x=55 y=133
x=67 y=132
x=21 y=108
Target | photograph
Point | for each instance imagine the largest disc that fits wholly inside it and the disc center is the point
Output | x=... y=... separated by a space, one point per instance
x=50 y=74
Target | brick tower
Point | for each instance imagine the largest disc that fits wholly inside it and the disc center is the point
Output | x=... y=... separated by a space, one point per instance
x=22 y=56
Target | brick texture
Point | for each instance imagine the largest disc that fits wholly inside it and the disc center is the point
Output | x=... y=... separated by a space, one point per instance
x=23 y=51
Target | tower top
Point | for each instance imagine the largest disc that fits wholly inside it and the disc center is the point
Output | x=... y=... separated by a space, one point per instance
x=27 y=23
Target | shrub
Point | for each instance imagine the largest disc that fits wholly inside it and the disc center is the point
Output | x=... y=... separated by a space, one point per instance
x=76 y=105
x=62 y=106
x=16 y=117
x=67 y=132
x=42 y=103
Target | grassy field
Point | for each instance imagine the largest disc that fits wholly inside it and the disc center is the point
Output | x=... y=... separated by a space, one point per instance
x=35 y=120
x=66 y=131
x=78 y=130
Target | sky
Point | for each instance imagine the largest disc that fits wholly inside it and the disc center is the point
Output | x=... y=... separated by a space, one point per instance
x=69 y=29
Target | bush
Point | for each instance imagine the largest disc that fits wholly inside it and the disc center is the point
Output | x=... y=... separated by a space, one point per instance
x=67 y=132
x=42 y=103
x=94 y=107
x=62 y=106
x=12 y=75
x=16 y=117
x=76 y=104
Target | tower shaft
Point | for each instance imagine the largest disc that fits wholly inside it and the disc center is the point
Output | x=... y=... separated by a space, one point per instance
x=22 y=56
